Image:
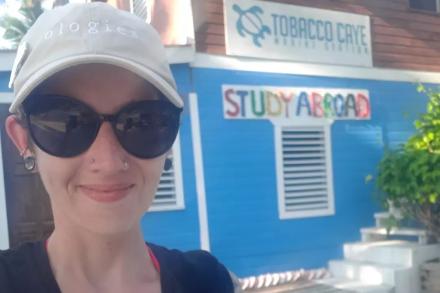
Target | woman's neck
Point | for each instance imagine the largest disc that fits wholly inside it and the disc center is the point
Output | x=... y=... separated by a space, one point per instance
x=100 y=262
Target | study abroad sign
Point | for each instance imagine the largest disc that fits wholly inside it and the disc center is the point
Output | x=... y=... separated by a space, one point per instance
x=265 y=29
x=294 y=103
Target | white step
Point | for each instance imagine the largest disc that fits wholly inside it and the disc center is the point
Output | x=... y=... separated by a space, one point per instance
x=403 y=279
x=371 y=273
x=356 y=286
x=391 y=252
x=380 y=233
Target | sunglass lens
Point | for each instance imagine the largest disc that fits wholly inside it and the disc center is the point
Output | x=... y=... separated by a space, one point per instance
x=61 y=126
x=148 y=129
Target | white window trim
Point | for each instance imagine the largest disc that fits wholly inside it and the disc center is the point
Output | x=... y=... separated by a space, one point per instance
x=199 y=172
x=280 y=173
x=5 y=98
x=4 y=231
x=178 y=181
x=203 y=60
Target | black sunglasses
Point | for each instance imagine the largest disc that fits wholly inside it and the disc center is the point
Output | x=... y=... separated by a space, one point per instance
x=65 y=127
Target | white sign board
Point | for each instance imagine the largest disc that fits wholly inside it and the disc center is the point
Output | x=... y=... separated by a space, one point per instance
x=294 y=103
x=265 y=29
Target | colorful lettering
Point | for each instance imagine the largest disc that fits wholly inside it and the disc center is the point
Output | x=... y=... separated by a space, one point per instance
x=303 y=101
x=287 y=99
x=350 y=103
x=254 y=102
x=317 y=105
x=271 y=100
x=339 y=105
x=363 y=105
x=242 y=95
x=233 y=103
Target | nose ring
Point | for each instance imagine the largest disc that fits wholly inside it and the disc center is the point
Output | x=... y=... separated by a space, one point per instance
x=125 y=164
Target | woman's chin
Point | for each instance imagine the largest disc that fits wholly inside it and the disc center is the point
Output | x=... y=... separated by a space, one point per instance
x=110 y=228
x=109 y=221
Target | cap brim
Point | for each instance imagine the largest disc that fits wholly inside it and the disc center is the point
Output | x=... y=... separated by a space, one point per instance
x=50 y=69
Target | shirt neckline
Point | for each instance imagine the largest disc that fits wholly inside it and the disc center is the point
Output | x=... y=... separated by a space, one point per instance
x=150 y=254
x=46 y=274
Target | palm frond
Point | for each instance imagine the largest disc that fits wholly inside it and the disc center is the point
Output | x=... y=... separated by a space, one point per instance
x=16 y=27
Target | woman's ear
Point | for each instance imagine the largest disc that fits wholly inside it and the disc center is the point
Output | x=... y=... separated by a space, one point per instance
x=18 y=134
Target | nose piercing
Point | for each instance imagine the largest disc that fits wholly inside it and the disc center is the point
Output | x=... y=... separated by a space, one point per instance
x=125 y=166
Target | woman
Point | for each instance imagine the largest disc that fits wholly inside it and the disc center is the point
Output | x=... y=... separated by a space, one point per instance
x=96 y=112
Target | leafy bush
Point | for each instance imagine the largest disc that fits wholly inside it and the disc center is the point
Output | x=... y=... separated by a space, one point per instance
x=409 y=176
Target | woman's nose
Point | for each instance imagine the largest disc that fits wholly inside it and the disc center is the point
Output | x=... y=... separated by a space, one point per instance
x=106 y=152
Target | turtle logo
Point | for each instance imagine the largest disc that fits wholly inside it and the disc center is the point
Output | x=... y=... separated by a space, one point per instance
x=250 y=22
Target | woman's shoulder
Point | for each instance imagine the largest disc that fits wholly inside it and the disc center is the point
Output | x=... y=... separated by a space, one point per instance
x=19 y=251
x=17 y=257
x=193 y=258
x=22 y=268
x=196 y=270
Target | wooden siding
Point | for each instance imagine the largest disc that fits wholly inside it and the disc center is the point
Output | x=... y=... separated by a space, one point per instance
x=401 y=37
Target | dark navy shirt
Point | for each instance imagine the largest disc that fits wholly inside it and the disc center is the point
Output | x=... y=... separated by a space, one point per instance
x=26 y=269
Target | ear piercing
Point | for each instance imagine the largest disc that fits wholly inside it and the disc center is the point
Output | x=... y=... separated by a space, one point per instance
x=168 y=164
x=29 y=161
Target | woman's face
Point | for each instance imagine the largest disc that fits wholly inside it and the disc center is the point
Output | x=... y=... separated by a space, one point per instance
x=95 y=190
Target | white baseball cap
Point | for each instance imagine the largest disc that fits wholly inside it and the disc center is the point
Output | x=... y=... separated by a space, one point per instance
x=95 y=32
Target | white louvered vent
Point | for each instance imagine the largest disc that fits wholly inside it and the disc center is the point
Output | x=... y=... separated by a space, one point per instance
x=304 y=166
x=169 y=194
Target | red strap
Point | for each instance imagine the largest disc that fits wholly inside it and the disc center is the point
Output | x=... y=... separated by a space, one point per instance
x=150 y=253
x=154 y=259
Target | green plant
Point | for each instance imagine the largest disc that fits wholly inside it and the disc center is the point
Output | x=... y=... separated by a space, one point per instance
x=16 y=26
x=409 y=177
x=427 y=135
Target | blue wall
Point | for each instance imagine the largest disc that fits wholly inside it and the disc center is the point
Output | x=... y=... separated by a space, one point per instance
x=240 y=173
x=179 y=229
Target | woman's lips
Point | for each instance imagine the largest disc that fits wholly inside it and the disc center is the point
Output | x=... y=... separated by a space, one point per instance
x=106 y=193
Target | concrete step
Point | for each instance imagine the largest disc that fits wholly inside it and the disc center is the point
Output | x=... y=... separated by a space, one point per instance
x=386 y=262
x=391 y=252
x=367 y=272
x=379 y=233
x=356 y=286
